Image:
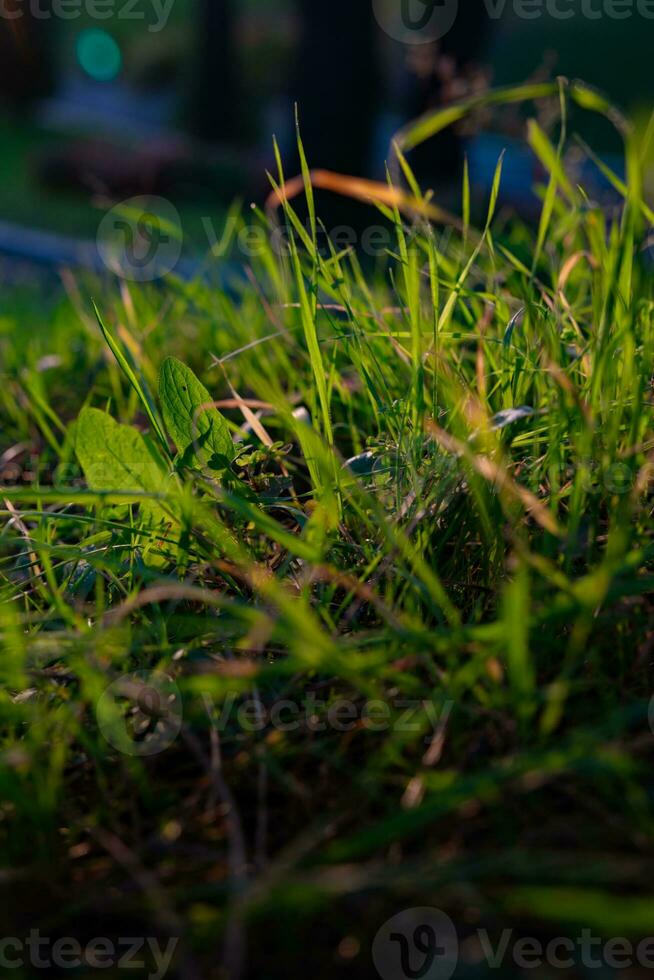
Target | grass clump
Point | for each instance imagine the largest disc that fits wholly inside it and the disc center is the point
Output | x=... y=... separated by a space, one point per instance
x=384 y=574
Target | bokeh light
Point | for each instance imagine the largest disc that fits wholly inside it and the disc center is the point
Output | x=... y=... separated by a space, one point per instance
x=99 y=55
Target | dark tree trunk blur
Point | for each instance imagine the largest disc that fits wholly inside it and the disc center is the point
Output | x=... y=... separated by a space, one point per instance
x=26 y=69
x=216 y=100
x=441 y=157
x=336 y=83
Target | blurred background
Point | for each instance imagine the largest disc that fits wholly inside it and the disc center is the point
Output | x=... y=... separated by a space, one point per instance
x=104 y=99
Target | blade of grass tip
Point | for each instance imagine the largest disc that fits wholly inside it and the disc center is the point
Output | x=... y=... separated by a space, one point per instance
x=306 y=177
x=308 y=319
x=495 y=192
x=434 y=289
x=646 y=141
x=408 y=173
x=126 y=368
x=635 y=180
x=308 y=311
x=550 y=158
x=466 y=201
x=492 y=204
x=411 y=277
x=280 y=196
x=541 y=146
x=545 y=220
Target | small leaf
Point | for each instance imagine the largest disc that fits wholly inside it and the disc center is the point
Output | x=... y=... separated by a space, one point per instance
x=198 y=430
x=516 y=319
x=118 y=458
x=361 y=465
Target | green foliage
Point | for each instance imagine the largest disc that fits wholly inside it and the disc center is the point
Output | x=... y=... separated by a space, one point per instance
x=198 y=430
x=431 y=483
x=117 y=457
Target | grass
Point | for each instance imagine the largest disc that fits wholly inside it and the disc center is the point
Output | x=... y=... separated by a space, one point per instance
x=396 y=581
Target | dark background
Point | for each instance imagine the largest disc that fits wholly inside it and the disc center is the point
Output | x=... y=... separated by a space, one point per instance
x=94 y=111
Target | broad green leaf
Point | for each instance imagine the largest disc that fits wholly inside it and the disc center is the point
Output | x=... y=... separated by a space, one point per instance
x=117 y=457
x=198 y=430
